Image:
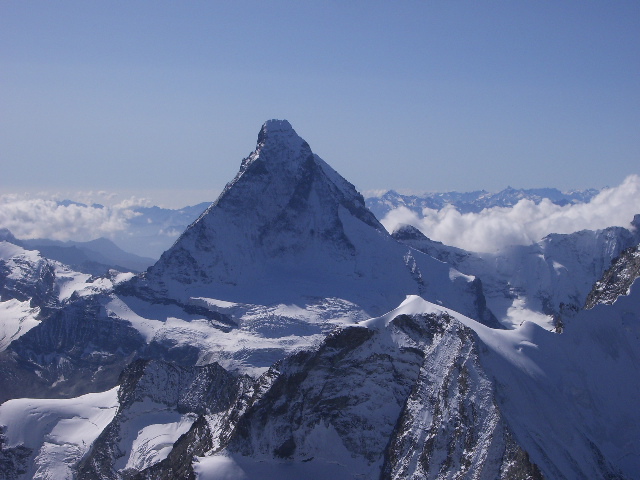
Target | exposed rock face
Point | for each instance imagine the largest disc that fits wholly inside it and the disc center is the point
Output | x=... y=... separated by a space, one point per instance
x=309 y=395
x=617 y=280
x=156 y=394
x=418 y=404
x=77 y=349
x=198 y=441
x=451 y=426
x=13 y=461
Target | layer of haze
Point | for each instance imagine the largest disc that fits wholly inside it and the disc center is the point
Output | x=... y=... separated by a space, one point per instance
x=163 y=99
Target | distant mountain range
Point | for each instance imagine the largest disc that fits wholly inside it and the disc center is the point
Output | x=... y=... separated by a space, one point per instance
x=474 y=202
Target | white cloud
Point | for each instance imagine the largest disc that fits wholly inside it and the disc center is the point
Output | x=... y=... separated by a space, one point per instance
x=132 y=202
x=524 y=223
x=376 y=192
x=29 y=217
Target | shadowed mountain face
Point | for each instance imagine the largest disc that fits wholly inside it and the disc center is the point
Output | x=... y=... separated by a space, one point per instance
x=283 y=202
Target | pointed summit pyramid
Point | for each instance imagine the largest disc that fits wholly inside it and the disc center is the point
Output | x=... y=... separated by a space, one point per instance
x=289 y=229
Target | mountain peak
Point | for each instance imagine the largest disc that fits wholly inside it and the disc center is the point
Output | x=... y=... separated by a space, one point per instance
x=275 y=126
x=283 y=202
x=289 y=229
x=408 y=232
x=277 y=143
x=278 y=131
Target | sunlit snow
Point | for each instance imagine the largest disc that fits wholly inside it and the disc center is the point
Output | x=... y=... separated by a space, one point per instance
x=60 y=432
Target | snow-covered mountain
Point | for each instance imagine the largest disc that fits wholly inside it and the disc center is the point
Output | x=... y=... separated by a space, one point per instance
x=287 y=335
x=287 y=252
x=430 y=393
x=290 y=229
x=542 y=282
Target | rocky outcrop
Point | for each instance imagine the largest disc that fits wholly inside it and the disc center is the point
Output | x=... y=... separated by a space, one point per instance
x=26 y=276
x=617 y=280
x=76 y=350
x=13 y=461
x=155 y=395
x=409 y=401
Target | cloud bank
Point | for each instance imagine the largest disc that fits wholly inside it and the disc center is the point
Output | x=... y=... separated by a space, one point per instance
x=524 y=223
x=44 y=218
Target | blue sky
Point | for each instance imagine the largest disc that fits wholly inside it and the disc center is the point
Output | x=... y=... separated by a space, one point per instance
x=163 y=99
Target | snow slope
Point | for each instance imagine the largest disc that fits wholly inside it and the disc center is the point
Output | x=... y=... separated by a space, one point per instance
x=57 y=433
x=259 y=335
